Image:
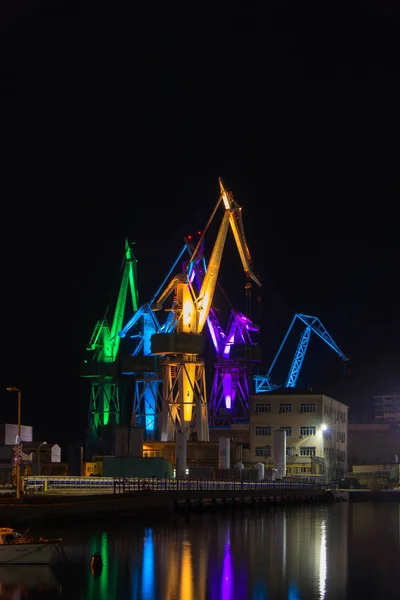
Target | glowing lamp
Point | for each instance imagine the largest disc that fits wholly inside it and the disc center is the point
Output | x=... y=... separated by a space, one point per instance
x=323 y=428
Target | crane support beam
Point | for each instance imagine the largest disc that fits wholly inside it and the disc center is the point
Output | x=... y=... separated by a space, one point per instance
x=315 y=324
x=298 y=358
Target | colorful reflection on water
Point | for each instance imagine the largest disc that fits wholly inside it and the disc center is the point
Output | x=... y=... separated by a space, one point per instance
x=298 y=553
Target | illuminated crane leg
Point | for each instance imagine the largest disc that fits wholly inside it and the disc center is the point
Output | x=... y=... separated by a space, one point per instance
x=229 y=394
x=298 y=358
x=151 y=390
x=186 y=392
x=147 y=403
x=169 y=409
x=105 y=412
x=184 y=399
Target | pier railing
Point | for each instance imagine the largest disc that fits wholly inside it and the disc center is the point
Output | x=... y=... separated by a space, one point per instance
x=121 y=485
x=126 y=485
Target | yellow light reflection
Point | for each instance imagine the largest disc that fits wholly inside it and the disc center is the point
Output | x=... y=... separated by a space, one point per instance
x=322 y=562
x=186 y=587
x=172 y=570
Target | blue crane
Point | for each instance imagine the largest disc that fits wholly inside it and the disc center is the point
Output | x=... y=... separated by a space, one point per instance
x=139 y=363
x=264 y=383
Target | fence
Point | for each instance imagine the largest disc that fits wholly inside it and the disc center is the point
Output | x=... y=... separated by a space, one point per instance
x=125 y=485
x=120 y=485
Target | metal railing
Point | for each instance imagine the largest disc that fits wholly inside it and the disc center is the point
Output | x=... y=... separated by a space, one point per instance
x=121 y=485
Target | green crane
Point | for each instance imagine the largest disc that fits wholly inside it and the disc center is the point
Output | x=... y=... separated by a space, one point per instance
x=102 y=368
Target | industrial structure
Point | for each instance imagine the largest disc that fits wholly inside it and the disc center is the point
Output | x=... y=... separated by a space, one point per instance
x=102 y=368
x=184 y=406
x=264 y=383
x=159 y=348
x=139 y=362
x=236 y=351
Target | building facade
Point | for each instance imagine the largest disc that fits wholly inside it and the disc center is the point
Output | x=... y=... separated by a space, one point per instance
x=387 y=408
x=316 y=432
x=374 y=443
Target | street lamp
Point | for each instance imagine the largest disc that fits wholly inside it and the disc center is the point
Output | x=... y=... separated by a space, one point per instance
x=18 y=461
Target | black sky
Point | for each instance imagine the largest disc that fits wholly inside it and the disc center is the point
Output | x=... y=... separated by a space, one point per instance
x=118 y=124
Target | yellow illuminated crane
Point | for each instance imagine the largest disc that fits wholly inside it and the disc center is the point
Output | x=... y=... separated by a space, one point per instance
x=184 y=391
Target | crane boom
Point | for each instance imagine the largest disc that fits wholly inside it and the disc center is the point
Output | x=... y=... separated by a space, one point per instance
x=105 y=340
x=128 y=279
x=207 y=290
x=236 y=221
x=313 y=324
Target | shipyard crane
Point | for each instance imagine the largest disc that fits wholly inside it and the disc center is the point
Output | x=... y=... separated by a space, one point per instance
x=184 y=390
x=264 y=383
x=141 y=364
x=235 y=352
x=101 y=365
x=230 y=382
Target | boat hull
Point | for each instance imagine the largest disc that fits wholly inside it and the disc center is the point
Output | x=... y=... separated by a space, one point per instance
x=38 y=553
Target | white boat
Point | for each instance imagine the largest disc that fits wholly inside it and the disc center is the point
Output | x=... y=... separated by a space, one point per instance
x=23 y=549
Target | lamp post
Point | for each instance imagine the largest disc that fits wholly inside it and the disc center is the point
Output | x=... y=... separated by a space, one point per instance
x=18 y=458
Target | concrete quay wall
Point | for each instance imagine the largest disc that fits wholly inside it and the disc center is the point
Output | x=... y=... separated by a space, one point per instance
x=73 y=508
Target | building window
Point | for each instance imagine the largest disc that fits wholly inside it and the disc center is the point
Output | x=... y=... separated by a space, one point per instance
x=308 y=430
x=285 y=408
x=287 y=429
x=263 y=408
x=307 y=451
x=264 y=451
x=290 y=450
x=307 y=408
x=263 y=430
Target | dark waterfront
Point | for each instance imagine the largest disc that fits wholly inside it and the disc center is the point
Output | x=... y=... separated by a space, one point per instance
x=317 y=552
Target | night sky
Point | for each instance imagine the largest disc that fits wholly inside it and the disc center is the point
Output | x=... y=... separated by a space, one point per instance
x=119 y=124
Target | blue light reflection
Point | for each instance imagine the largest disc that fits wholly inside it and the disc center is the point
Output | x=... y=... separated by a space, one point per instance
x=148 y=580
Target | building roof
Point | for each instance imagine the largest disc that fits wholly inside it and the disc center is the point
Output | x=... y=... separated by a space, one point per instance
x=36 y=445
x=296 y=392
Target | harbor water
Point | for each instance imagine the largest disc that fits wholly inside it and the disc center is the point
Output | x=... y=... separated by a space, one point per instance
x=321 y=552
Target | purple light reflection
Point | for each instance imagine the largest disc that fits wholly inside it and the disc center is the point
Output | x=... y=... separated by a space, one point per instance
x=227 y=575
